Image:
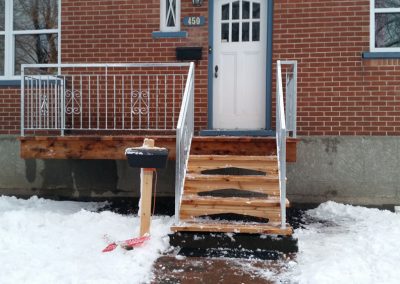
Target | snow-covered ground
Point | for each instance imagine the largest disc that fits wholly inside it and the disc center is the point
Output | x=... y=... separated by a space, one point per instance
x=347 y=244
x=44 y=241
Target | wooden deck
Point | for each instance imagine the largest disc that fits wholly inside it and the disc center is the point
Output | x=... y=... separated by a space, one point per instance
x=113 y=147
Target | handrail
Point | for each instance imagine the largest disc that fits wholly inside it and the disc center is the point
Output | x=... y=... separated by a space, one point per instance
x=284 y=124
x=184 y=135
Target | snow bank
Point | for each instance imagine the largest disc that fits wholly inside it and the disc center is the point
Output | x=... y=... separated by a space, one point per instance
x=44 y=241
x=347 y=244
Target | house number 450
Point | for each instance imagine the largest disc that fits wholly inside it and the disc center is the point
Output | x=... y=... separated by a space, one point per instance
x=194 y=21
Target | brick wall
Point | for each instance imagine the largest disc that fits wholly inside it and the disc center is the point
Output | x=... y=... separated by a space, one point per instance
x=9 y=110
x=121 y=31
x=339 y=92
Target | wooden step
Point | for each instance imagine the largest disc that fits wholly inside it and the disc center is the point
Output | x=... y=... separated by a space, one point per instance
x=194 y=200
x=273 y=214
x=232 y=227
x=199 y=163
x=196 y=183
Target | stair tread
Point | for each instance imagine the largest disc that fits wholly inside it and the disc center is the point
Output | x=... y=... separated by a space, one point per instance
x=193 y=176
x=192 y=199
x=232 y=227
x=232 y=158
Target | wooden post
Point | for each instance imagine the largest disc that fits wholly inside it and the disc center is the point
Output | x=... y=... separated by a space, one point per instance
x=146 y=190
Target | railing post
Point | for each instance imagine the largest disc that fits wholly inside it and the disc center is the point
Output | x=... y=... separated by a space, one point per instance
x=177 y=176
x=62 y=105
x=22 y=114
x=294 y=113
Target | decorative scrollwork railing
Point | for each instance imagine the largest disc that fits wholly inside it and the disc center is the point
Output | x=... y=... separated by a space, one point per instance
x=101 y=97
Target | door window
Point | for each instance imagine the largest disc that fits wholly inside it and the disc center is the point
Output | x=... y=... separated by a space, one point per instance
x=240 y=21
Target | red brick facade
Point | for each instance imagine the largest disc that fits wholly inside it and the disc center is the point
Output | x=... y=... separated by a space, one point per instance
x=339 y=92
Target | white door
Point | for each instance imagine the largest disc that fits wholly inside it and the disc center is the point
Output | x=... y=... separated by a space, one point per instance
x=239 y=89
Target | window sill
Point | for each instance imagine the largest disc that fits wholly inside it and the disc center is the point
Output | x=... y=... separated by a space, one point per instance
x=381 y=55
x=10 y=83
x=181 y=34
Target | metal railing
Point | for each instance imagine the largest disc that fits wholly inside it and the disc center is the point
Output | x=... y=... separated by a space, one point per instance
x=285 y=123
x=101 y=97
x=184 y=135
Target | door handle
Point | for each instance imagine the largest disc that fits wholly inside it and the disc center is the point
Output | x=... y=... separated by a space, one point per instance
x=216 y=71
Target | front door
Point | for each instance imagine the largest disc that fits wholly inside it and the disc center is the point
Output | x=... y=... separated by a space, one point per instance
x=239 y=87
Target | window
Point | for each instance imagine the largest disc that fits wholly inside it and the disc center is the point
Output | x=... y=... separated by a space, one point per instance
x=244 y=22
x=170 y=15
x=29 y=33
x=385 y=25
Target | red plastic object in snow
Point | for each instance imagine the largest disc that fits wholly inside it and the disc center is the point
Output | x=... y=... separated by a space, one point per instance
x=127 y=244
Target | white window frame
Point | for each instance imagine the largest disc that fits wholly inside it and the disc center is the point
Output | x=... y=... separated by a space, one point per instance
x=9 y=40
x=163 y=17
x=374 y=11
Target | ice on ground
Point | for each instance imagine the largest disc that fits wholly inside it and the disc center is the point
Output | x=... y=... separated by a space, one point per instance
x=347 y=244
x=43 y=241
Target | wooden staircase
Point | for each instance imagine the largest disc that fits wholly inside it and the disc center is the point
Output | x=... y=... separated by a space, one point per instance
x=246 y=187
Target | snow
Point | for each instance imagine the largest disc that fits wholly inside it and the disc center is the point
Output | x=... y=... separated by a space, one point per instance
x=43 y=241
x=347 y=244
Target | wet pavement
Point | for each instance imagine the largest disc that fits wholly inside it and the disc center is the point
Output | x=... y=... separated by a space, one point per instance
x=193 y=270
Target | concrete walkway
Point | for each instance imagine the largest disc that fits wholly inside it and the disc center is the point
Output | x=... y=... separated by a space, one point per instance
x=193 y=270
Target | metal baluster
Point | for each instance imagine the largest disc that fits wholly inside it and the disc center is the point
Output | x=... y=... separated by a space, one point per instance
x=106 y=93
x=173 y=101
x=98 y=102
x=115 y=118
x=165 y=102
x=40 y=101
x=131 y=105
x=123 y=102
x=140 y=101
x=148 y=102
x=157 y=101
x=72 y=102
x=81 y=105
x=89 y=103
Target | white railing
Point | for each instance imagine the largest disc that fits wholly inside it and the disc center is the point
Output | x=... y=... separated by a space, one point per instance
x=285 y=124
x=90 y=98
x=184 y=135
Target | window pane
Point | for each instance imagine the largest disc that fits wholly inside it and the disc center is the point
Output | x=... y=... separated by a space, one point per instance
x=235 y=10
x=235 y=32
x=256 y=31
x=1 y=55
x=246 y=10
x=387 y=3
x=2 y=15
x=35 y=15
x=35 y=49
x=225 y=12
x=171 y=13
x=256 y=10
x=225 y=33
x=245 y=31
x=387 y=30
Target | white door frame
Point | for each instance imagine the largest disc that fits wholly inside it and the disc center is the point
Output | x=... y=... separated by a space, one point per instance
x=268 y=128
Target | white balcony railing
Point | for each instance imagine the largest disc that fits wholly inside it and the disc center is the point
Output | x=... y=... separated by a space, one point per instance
x=101 y=97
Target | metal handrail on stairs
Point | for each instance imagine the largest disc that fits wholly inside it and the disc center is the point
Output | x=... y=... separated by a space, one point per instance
x=184 y=135
x=285 y=123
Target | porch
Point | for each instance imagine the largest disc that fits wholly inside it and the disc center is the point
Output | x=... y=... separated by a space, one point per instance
x=96 y=111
